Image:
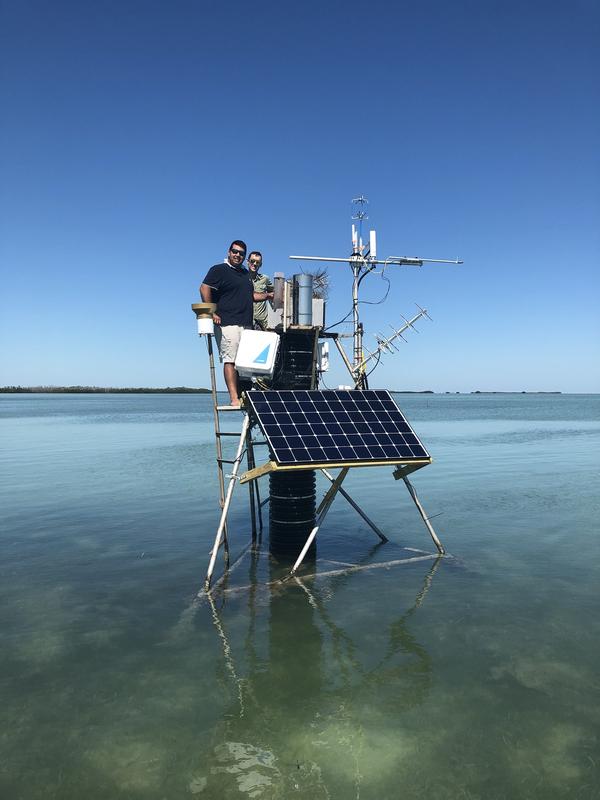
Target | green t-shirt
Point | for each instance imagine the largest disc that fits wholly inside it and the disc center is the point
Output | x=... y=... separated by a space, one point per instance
x=261 y=283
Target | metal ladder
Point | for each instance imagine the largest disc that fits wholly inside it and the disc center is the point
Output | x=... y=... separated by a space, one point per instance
x=245 y=438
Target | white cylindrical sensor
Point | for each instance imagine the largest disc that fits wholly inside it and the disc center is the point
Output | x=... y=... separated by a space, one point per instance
x=373 y=244
x=205 y=326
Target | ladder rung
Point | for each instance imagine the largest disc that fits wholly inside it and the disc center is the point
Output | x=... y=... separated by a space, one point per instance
x=226 y=460
x=228 y=433
x=229 y=408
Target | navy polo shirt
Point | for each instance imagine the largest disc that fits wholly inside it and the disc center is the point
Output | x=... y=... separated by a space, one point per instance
x=232 y=292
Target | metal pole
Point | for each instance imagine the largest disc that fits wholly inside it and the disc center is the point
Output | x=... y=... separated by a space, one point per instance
x=285 y=304
x=424 y=516
x=342 y=352
x=324 y=507
x=251 y=465
x=254 y=484
x=232 y=481
x=397 y=260
x=357 y=355
x=258 y=505
x=314 y=382
x=226 y=575
x=357 y=508
x=213 y=389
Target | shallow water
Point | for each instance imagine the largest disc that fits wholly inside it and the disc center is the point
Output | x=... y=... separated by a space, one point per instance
x=473 y=676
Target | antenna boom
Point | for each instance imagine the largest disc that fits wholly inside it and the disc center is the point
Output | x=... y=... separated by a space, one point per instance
x=399 y=260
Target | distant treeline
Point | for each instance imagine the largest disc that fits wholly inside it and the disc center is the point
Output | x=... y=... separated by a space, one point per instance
x=478 y=391
x=99 y=390
x=183 y=390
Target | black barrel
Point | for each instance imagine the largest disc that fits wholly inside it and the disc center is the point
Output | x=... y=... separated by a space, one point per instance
x=295 y=364
x=292 y=503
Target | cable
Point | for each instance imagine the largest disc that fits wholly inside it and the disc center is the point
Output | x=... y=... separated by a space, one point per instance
x=383 y=277
x=364 y=302
x=322 y=380
x=375 y=365
x=383 y=299
x=335 y=324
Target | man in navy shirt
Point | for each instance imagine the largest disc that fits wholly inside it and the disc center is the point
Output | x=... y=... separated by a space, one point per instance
x=229 y=286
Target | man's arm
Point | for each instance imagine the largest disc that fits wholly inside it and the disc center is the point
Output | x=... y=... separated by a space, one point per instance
x=206 y=295
x=267 y=294
x=262 y=296
x=270 y=289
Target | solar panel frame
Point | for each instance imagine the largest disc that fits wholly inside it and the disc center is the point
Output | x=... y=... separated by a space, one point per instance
x=309 y=427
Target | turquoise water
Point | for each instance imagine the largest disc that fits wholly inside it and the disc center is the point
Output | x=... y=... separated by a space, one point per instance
x=473 y=676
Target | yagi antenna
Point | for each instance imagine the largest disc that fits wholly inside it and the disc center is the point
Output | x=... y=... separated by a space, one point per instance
x=387 y=343
x=423 y=310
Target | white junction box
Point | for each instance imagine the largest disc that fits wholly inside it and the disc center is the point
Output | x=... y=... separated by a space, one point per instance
x=323 y=356
x=256 y=353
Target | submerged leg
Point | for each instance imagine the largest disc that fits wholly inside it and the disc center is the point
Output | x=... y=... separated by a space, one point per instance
x=321 y=511
x=424 y=516
x=357 y=508
x=232 y=480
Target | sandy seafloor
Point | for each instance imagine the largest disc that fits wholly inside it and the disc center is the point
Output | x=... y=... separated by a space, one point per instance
x=473 y=676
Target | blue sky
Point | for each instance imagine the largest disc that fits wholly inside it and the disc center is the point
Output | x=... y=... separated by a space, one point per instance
x=139 y=138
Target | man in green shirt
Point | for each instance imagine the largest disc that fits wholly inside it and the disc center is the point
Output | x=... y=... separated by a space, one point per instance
x=262 y=285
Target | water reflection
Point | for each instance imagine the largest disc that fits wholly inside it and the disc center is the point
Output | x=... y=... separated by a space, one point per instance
x=301 y=684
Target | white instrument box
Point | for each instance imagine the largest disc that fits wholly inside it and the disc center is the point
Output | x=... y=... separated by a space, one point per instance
x=256 y=353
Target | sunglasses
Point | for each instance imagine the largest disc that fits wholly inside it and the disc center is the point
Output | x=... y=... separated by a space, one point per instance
x=241 y=253
x=254 y=263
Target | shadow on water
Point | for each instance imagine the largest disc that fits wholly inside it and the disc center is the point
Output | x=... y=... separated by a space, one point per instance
x=294 y=721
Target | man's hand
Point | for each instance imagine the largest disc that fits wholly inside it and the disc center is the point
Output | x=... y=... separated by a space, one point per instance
x=216 y=319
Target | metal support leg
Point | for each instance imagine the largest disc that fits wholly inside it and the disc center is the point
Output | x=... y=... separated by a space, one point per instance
x=424 y=516
x=324 y=507
x=255 y=504
x=345 y=359
x=213 y=388
x=230 y=488
x=259 y=506
x=357 y=508
x=252 y=496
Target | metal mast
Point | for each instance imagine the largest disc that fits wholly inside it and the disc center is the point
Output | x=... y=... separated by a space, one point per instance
x=362 y=261
x=357 y=264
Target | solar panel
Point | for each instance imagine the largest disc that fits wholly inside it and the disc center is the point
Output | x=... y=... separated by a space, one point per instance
x=312 y=427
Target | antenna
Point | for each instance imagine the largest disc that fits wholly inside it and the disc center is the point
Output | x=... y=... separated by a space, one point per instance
x=385 y=344
x=360 y=214
x=361 y=264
